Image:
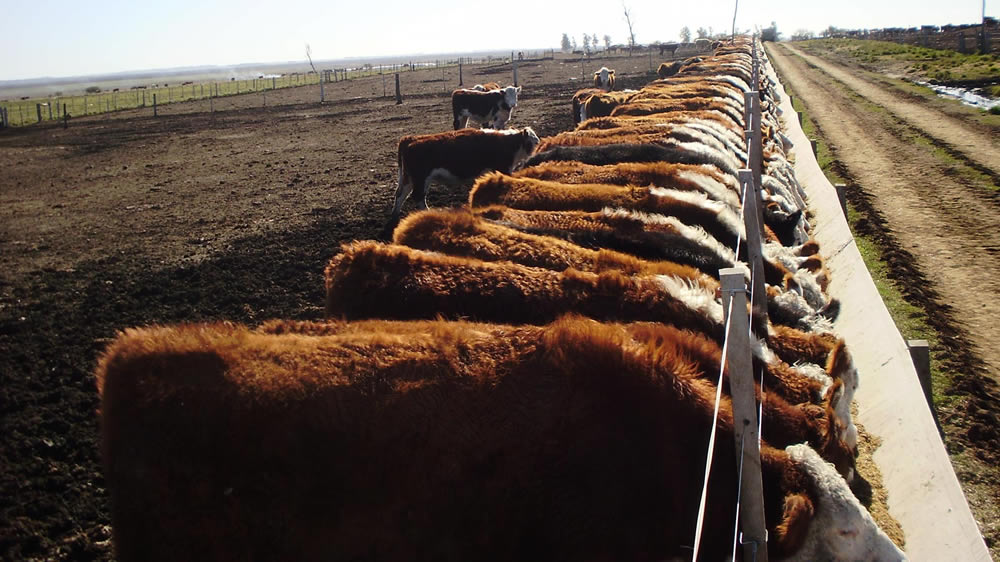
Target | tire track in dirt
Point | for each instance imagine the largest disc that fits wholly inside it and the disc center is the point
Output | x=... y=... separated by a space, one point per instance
x=979 y=149
x=934 y=231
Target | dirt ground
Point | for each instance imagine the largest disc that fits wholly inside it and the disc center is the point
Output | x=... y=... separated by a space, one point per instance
x=129 y=220
x=926 y=182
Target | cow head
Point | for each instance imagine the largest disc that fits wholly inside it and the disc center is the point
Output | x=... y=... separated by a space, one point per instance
x=604 y=79
x=510 y=97
x=529 y=142
x=831 y=525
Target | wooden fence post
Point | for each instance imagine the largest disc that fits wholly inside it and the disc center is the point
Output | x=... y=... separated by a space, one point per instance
x=513 y=62
x=459 y=72
x=322 y=94
x=920 y=354
x=399 y=97
x=38 y=109
x=755 y=253
x=842 y=196
x=741 y=384
x=154 y=105
x=65 y=117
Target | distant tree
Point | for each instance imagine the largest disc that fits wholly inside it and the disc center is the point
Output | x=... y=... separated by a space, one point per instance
x=607 y=42
x=829 y=32
x=566 y=45
x=309 y=56
x=702 y=32
x=685 y=34
x=802 y=35
x=93 y=90
x=574 y=43
x=631 y=33
x=586 y=43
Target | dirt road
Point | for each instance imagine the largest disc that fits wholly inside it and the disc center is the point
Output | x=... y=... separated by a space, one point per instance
x=979 y=146
x=942 y=220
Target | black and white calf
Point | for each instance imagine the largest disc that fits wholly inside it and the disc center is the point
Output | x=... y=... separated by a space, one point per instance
x=490 y=109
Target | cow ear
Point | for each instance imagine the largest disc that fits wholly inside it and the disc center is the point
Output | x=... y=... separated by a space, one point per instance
x=839 y=359
x=519 y=89
x=792 y=531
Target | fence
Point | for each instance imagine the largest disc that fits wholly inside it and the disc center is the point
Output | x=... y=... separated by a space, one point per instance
x=28 y=111
x=749 y=528
x=962 y=38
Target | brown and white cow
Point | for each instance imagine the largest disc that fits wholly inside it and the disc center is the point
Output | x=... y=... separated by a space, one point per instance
x=490 y=108
x=386 y=439
x=487 y=87
x=604 y=79
x=455 y=156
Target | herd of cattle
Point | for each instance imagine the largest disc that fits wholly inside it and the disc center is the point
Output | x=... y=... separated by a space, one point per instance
x=532 y=376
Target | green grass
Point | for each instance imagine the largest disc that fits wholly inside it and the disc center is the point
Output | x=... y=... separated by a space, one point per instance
x=937 y=64
x=910 y=320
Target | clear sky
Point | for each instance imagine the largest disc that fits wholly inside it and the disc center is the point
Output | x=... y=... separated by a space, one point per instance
x=80 y=37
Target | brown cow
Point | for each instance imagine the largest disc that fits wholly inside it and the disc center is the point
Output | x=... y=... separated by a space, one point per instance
x=455 y=156
x=221 y=443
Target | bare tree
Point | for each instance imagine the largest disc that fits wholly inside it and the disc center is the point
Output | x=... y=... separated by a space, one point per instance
x=631 y=34
x=309 y=52
x=685 y=34
x=607 y=42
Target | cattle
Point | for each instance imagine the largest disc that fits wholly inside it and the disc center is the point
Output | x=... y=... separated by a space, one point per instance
x=601 y=155
x=221 y=443
x=604 y=79
x=487 y=87
x=457 y=155
x=689 y=207
x=669 y=48
x=580 y=98
x=490 y=109
x=458 y=232
x=652 y=106
x=657 y=237
x=603 y=103
x=702 y=43
x=702 y=178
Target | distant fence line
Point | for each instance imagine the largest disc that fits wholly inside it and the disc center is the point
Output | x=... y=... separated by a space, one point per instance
x=962 y=38
x=28 y=111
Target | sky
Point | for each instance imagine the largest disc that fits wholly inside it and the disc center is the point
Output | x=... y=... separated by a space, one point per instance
x=56 y=38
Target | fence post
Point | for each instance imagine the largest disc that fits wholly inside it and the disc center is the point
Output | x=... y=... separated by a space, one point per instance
x=514 y=63
x=322 y=93
x=399 y=97
x=459 y=72
x=742 y=390
x=755 y=254
x=842 y=196
x=65 y=117
x=154 y=105
x=50 y=110
x=38 y=109
x=920 y=354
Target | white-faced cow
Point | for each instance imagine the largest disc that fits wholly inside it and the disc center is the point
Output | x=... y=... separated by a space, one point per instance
x=457 y=155
x=604 y=79
x=490 y=109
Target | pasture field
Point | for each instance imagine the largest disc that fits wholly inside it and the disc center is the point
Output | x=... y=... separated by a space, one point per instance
x=913 y=62
x=126 y=220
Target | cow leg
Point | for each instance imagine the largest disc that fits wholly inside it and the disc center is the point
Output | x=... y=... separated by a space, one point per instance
x=403 y=190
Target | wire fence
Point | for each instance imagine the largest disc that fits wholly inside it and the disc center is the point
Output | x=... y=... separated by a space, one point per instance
x=30 y=110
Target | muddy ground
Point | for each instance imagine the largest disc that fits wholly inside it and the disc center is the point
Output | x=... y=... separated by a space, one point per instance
x=127 y=220
x=924 y=176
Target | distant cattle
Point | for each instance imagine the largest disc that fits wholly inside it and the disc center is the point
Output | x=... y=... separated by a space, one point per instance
x=604 y=79
x=455 y=156
x=490 y=109
x=668 y=48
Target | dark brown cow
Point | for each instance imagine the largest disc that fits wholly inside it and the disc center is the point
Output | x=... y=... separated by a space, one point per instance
x=440 y=442
x=457 y=155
